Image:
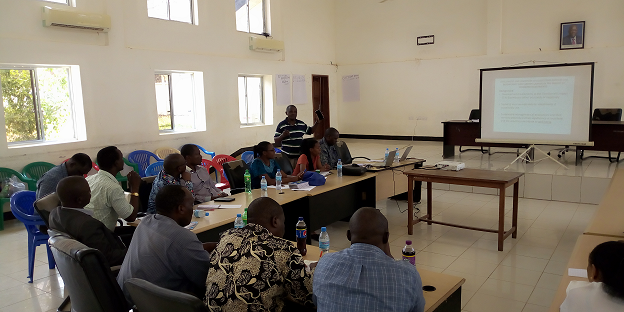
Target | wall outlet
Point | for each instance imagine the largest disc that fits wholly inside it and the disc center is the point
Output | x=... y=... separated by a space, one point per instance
x=421 y=118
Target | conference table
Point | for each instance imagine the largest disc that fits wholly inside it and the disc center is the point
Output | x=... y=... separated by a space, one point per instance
x=609 y=217
x=390 y=180
x=472 y=177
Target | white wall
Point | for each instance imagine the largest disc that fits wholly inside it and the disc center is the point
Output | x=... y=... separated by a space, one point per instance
x=117 y=69
x=402 y=82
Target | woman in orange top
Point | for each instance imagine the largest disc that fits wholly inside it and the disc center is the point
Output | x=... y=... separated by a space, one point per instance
x=310 y=159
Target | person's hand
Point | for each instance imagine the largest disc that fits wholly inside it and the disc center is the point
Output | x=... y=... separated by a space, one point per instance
x=224 y=194
x=313 y=265
x=285 y=134
x=300 y=175
x=186 y=176
x=326 y=167
x=134 y=181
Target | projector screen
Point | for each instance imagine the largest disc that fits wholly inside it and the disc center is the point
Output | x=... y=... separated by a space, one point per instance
x=549 y=104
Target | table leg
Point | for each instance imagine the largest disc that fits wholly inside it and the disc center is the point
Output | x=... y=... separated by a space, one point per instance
x=429 y=199
x=501 y=218
x=514 y=218
x=410 y=205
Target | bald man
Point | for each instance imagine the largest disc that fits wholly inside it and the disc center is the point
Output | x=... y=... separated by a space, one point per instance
x=255 y=267
x=173 y=173
x=365 y=274
x=71 y=218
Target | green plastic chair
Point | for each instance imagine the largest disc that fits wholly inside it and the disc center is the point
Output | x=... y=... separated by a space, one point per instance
x=6 y=173
x=36 y=170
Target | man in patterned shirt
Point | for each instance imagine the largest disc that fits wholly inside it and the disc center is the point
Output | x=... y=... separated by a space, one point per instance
x=365 y=276
x=329 y=152
x=173 y=173
x=289 y=133
x=254 y=269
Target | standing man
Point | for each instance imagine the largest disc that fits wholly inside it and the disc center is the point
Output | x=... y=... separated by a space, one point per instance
x=204 y=188
x=290 y=131
x=173 y=173
x=329 y=152
x=77 y=165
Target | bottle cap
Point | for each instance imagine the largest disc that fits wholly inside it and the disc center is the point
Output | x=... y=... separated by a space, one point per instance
x=408 y=242
x=238 y=215
x=206 y=214
x=300 y=218
x=246 y=209
x=338 y=159
x=323 y=229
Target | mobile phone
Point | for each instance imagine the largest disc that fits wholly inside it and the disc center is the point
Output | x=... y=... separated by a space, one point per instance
x=224 y=199
x=319 y=114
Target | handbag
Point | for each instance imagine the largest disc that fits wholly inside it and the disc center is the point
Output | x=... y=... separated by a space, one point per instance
x=353 y=170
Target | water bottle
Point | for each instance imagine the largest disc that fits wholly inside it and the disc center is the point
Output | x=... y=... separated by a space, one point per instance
x=339 y=167
x=245 y=217
x=396 y=155
x=324 y=241
x=278 y=181
x=386 y=157
x=238 y=223
x=247 y=177
x=302 y=234
x=409 y=254
x=263 y=184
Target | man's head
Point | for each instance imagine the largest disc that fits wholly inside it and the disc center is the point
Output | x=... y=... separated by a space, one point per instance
x=572 y=31
x=267 y=212
x=74 y=192
x=291 y=112
x=368 y=226
x=78 y=165
x=331 y=136
x=110 y=159
x=191 y=155
x=174 y=164
x=175 y=202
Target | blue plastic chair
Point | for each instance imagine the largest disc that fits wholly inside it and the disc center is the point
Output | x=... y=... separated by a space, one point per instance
x=212 y=154
x=142 y=159
x=247 y=157
x=154 y=168
x=23 y=209
x=277 y=150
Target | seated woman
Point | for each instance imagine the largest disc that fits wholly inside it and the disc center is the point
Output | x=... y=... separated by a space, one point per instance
x=605 y=290
x=310 y=159
x=265 y=165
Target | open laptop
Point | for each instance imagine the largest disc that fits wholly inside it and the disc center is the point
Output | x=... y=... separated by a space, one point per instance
x=407 y=151
x=389 y=160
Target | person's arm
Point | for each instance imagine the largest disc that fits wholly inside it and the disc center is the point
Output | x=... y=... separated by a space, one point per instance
x=210 y=246
x=280 y=134
x=269 y=180
x=134 y=182
x=119 y=203
x=192 y=260
x=297 y=280
x=186 y=177
x=95 y=236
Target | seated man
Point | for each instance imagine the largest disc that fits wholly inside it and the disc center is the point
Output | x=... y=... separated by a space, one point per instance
x=255 y=267
x=72 y=219
x=77 y=165
x=108 y=200
x=204 y=188
x=173 y=173
x=366 y=275
x=329 y=152
x=163 y=252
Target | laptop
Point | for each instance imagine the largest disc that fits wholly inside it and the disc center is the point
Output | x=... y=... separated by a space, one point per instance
x=389 y=161
x=407 y=151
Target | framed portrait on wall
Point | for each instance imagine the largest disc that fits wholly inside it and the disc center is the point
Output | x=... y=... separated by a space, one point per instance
x=572 y=35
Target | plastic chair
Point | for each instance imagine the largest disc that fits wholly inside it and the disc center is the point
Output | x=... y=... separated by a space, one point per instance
x=247 y=157
x=6 y=173
x=212 y=154
x=35 y=170
x=222 y=182
x=163 y=152
x=221 y=159
x=154 y=168
x=23 y=209
x=142 y=159
x=277 y=150
x=122 y=178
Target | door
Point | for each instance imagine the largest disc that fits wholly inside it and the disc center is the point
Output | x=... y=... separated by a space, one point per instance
x=320 y=101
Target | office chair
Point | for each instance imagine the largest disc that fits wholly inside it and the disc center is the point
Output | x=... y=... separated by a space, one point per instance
x=284 y=164
x=606 y=114
x=149 y=297
x=235 y=172
x=45 y=205
x=344 y=154
x=475 y=114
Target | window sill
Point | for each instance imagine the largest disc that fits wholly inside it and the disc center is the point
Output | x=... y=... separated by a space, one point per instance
x=39 y=143
x=169 y=132
x=253 y=125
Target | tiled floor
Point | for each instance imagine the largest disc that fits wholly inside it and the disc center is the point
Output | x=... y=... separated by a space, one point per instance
x=521 y=278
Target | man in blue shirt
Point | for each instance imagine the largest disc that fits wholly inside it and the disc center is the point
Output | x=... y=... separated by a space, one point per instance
x=290 y=131
x=365 y=276
x=77 y=165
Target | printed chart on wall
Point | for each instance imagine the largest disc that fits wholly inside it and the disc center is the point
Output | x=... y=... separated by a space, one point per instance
x=299 y=95
x=351 y=88
x=282 y=89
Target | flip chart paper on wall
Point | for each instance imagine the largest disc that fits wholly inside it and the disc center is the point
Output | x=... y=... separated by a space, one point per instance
x=282 y=89
x=351 y=88
x=299 y=95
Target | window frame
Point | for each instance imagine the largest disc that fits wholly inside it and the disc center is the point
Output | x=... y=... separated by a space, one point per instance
x=198 y=125
x=38 y=111
x=192 y=13
x=262 y=100
x=265 y=27
x=67 y=2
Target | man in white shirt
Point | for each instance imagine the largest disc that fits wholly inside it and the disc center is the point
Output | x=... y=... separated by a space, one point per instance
x=204 y=188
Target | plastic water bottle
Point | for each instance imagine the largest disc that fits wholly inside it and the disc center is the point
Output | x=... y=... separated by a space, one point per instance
x=396 y=155
x=245 y=217
x=263 y=184
x=409 y=254
x=238 y=223
x=302 y=235
x=247 y=177
x=386 y=157
x=324 y=241
x=278 y=181
x=339 y=167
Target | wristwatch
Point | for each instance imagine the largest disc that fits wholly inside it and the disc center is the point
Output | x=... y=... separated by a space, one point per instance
x=135 y=194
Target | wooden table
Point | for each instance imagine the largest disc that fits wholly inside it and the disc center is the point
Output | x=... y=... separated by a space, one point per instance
x=389 y=180
x=609 y=218
x=578 y=260
x=472 y=177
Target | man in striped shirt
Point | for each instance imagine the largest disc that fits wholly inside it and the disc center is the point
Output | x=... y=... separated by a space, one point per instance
x=290 y=133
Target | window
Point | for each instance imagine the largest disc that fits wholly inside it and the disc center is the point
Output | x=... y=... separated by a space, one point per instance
x=68 y=2
x=250 y=16
x=176 y=96
x=172 y=10
x=38 y=104
x=250 y=100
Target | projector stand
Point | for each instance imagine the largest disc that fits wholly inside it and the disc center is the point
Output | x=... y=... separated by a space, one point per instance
x=527 y=158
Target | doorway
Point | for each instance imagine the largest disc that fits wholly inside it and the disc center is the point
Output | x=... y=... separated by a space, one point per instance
x=320 y=101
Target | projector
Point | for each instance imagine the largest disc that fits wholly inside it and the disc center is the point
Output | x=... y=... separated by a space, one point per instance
x=450 y=165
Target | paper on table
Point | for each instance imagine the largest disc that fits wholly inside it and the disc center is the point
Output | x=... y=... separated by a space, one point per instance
x=309 y=188
x=577 y=272
x=284 y=187
x=212 y=207
x=325 y=173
